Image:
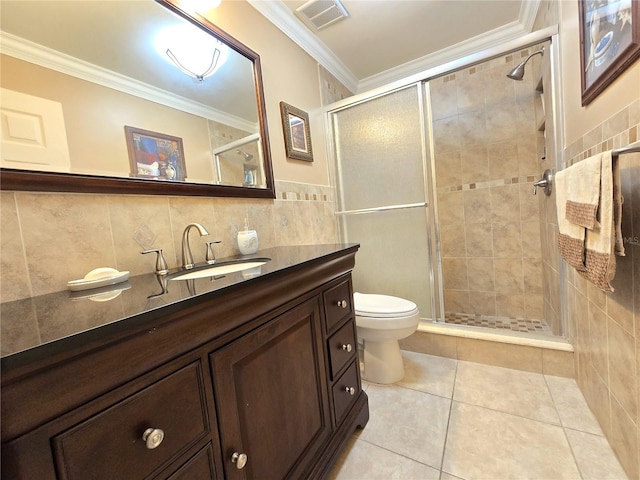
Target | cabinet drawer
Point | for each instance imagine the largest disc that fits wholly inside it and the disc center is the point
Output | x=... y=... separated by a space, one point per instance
x=110 y=445
x=345 y=391
x=200 y=466
x=338 y=303
x=342 y=347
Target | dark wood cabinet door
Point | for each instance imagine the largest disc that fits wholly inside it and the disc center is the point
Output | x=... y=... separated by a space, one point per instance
x=272 y=396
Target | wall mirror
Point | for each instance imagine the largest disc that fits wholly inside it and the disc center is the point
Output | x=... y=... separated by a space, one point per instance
x=100 y=96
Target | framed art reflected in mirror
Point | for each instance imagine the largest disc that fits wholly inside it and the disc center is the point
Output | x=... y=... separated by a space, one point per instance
x=297 y=133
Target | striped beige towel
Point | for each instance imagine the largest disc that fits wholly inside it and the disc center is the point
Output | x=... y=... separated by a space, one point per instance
x=570 y=236
x=583 y=192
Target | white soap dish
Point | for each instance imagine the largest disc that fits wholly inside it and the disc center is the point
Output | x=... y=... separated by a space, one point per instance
x=99 y=277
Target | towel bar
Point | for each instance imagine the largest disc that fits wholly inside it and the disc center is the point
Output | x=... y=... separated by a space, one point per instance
x=631 y=148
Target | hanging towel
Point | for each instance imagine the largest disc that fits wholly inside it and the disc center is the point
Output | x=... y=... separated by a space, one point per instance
x=571 y=236
x=590 y=238
x=583 y=192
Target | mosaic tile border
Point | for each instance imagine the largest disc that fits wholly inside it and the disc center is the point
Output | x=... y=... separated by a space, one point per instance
x=488 y=184
x=502 y=323
x=623 y=139
x=302 y=192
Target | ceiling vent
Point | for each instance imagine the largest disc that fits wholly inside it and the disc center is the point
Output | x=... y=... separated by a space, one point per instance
x=321 y=13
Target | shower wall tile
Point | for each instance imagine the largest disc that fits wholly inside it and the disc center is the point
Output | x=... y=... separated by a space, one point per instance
x=479 y=240
x=485 y=157
x=451 y=208
x=507 y=240
x=15 y=282
x=510 y=305
x=455 y=273
x=452 y=240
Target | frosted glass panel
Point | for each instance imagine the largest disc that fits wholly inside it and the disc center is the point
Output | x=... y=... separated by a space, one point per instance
x=379 y=151
x=380 y=164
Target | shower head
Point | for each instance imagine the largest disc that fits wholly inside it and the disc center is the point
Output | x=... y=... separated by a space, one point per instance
x=247 y=156
x=518 y=72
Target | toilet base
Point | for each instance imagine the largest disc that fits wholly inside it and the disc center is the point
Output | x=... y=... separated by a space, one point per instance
x=382 y=362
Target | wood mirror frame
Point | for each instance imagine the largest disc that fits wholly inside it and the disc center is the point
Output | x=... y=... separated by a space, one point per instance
x=35 y=181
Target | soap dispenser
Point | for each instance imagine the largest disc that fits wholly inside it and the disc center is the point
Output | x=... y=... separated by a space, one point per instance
x=247 y=239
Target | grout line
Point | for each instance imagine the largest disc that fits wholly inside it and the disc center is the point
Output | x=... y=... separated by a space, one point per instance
x=396 y=453
x=446 y=434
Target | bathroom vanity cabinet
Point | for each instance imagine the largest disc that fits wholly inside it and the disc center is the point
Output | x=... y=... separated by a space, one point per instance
x=259 y=379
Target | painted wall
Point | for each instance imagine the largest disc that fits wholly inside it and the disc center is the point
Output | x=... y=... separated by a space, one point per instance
x=289 y=75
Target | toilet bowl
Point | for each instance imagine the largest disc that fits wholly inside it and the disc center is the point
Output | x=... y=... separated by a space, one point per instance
x=382 y=320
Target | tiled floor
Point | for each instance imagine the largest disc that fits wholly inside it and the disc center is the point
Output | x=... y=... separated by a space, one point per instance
x=504 y=323
x=451 y=420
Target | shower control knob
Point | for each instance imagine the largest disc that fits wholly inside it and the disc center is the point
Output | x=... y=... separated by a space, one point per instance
x=240 y=459
x=350 y=390
x=342 y=303
x=347 y=347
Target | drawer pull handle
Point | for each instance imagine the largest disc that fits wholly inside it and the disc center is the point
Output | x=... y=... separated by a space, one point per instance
x=240 y=459
x=350 y=390
x=346 y=347
x=153 y=437
x=342 y=303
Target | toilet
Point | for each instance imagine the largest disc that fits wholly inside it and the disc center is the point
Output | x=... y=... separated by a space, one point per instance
x=382 y=320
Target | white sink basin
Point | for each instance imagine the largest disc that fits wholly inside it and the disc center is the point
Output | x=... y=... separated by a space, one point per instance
x=221 y=269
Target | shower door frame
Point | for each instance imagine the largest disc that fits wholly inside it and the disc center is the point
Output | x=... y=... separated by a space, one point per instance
x=422 y=80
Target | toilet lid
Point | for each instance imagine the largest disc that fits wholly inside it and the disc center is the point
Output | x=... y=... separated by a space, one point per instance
x=382 y=305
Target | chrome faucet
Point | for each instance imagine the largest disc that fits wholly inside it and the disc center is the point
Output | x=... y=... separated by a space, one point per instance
x=187 y=257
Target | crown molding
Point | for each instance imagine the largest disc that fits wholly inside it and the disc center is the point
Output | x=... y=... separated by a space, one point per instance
x=283 y=18
x=467 y=47
x=528 y=12
x=45 y=57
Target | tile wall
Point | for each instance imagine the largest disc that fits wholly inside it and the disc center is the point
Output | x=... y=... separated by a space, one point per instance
x=486 y=143
x=50 y=238
x=605 y=327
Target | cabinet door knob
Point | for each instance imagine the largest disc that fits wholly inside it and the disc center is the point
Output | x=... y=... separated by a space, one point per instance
x=346 y=347
x=350 y=390
x=240 y=459
x=153 y=437
x=342 y=303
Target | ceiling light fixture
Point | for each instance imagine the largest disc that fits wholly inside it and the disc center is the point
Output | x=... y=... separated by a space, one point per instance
x=193 y=51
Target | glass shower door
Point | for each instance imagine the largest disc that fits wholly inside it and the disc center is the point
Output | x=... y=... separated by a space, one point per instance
x=380 y=162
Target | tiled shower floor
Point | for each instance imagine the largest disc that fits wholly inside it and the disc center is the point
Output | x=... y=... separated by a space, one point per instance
x=504 y=323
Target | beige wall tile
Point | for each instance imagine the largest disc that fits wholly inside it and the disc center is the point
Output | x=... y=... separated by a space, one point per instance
x=64 y=238
x=500 y=354
x=481 y=274
x=448 y=169
x=534 y=306
x=451 y=208
x=624 y=439
x=431 y=343
x=479 y=237
x=598 y=344
x=623 y=380
x=456 y=301
x=505 y=204
x=510 y=304
x=503 y=159
x=482 y=303
x=14 y=282
x=474 y=165
x=509 y=275
x=557 y=363
x=507 y=240
x=455 y=273
x=477 y=206
x=452 y=240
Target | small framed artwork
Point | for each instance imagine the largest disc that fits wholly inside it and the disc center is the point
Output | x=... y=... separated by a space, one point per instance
x=155 y=155
x=297 y=135
x=609 y=42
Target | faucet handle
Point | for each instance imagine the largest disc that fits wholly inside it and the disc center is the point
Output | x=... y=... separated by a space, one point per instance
x=210 y=256
x=161 y=263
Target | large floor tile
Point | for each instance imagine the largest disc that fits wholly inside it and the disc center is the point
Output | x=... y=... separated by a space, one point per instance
x=364 y=461
x=571 y=405
x=407 y=422
x=595 y=458
x=486 y=444
x=511 y=391
x=428 y=373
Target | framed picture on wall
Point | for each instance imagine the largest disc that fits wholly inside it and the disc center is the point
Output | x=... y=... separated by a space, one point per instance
x=297 y=134
x=609 y=42
x=155 y=155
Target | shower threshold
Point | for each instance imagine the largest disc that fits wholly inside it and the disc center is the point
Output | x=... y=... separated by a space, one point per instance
x=499 y=323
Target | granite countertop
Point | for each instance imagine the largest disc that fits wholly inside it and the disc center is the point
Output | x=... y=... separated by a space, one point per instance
x=33 y=326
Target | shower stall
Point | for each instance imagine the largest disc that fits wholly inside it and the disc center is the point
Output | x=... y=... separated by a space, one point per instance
x=435 y=181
